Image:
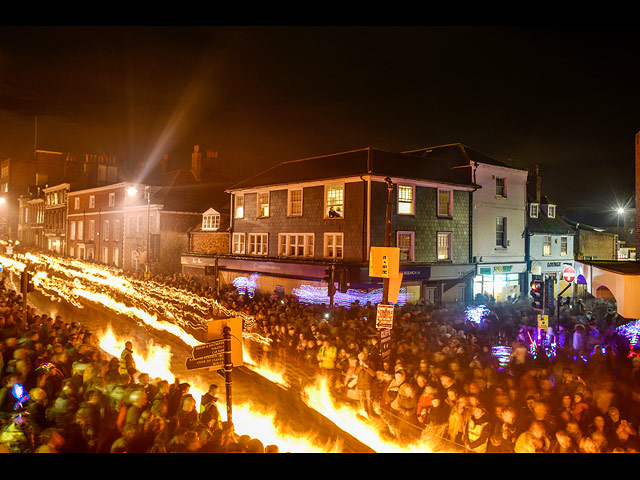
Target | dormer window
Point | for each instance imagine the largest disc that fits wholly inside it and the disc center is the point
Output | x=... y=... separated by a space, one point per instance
x=533 y=210
x=210 y=220
x=551 y=211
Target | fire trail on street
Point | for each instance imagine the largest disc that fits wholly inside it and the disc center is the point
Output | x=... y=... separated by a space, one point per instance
x=165 y=324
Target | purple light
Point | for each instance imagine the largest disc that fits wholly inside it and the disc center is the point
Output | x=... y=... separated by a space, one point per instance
x=319 y=295
x=476 y=314
x=246 y=285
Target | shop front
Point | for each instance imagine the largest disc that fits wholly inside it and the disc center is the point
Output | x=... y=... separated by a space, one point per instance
x=499 y=281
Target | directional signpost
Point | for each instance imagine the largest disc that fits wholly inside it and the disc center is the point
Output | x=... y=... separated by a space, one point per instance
x=224 y=350
x=207 y=355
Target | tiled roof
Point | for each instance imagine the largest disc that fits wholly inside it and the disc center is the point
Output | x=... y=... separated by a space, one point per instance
x=364 y=161
x=457 y=154
x=552 y=226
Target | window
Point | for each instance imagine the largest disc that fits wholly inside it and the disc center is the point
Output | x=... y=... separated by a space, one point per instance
x=533 y=210
x=131 y=222
x=238 y=243
x=116 y=230
x=445 y=203
x=105 y=254
x=295 y=202
x=501 y=187
x=551 y=211
x=72 y=231
x=92 y=201
x=263 y=204
x=211 y=221
x=105 y=231
x=546 y=245
x=76 y=203
x=405 y=200
x=501 y=232
x=444 y=245
x=139 y=227
x=239 y=208
x=334 y=201
x=112 y=199
x=334 y=245
x=564 y=241
x=258 y=244
x=405 y=242
x=80 y=230
x=92 y=230
x=295 y=244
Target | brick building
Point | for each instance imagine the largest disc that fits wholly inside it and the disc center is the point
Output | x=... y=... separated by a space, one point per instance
x=96 y=222
x=290 y=222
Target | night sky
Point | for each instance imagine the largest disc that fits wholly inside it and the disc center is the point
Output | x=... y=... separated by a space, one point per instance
x=565 y=98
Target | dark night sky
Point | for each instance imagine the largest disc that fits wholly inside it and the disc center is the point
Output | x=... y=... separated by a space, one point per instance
x=565 y=98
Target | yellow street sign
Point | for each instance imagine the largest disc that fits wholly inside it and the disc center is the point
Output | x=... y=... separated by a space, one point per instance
x=384 y=262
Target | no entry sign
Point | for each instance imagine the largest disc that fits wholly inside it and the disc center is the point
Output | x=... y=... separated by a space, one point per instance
x=569 y=274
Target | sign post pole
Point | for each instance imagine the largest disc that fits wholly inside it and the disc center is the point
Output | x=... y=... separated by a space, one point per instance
x=228 y=367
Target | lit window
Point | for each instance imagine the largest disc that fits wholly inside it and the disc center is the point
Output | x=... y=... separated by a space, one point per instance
x=405 y=242
x=333 y=245
x=295 y=202
x=238 y=243
x=80 y=230
x=546 y=246
x=263 y=204
x=239 y=213
x=295 y=244
x=334 y=201
x=445 y=203
x=444 y=245
x=72 y=231
x=501 y=187
x=564 y=241
x=405 y=199
x=501 y=232
x=258 y=244
x=211 y=221
x=76 y=203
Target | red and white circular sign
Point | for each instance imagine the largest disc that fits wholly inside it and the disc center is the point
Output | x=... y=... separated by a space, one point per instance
x=569 y=274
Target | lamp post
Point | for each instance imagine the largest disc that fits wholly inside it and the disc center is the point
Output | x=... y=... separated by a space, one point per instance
x=132 y=191
x=147 y=194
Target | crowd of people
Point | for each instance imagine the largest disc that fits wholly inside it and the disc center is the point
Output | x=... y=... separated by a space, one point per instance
x=444 y=379
x=60 y=393
x=438 y=378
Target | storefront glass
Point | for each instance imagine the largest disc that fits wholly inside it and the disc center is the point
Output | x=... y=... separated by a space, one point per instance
x=499 y=286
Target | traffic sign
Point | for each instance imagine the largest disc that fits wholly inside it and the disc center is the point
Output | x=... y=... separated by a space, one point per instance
x=384 y=316
x=569 y=274
x=215 y=347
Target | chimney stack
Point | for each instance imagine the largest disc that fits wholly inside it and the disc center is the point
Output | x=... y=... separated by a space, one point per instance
x=534 y=184
x=164 y=164
x=196 y=163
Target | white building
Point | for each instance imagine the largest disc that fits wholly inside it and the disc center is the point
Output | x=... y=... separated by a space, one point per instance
x=497 y=245
x=499 y=207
